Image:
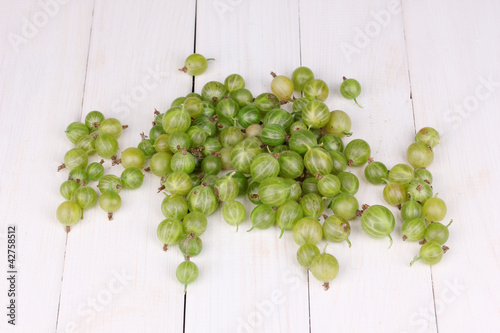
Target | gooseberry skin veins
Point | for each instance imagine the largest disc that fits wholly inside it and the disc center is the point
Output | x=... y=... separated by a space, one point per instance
x=306 y=253
x=187 y=272
x=350 y=89
x=69 y=213
x=195 y=64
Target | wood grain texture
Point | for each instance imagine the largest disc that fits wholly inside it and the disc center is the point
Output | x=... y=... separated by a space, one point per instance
x=119 y=279
x=42 y=73
x=249 y=282
x=374 y=282
x=456 y=87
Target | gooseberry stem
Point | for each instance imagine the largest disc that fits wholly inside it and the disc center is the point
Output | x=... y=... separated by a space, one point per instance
x=391 y=241
x=449 y=223
x=416 y=258
x=355 y=101
x=348 y=242
x=68 y=228
x=282 y=232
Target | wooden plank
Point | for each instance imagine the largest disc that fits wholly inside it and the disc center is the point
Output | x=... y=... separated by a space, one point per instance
x=376 y=290
x=249 y=282
x=117 y=278
x=453 y=59
x=42 y=72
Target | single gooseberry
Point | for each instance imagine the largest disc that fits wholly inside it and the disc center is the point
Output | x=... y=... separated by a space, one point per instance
x=195 y=64
x=242 y=96
x=68 y=188
x=264 y=166
x=262 y=217
x=306 y=253
x=169 y=232
x=132 y=157
x=402 y=174
x=110 y=183
x=429 y=136
x=186 y=273
x=106 y=145
x=337 y=229
x=350 y=89
x=194 y=222
x=300 y=77
x=419 y=190
x=75 y=131
x=376 y=172
x=329 y=185
x=430 y=253
x=85 y=197
x=434 y=209
x=325 y=268
x=312 y=205
x=411 y=210
x=395 y=194
x=174 y=206
x=357 y=152
x=234 y=82
x=378 y=222
x=437 y=232
x=112 y=126
x=345 y=205
x=93 y=120
x=110 y=202
x=315 y=114
x=273 y=191
x=316 y=89
x=281 y=86
x=234 y=213
x=420 y=155
x=287 y=215
x=69 y=213
x=190 y=245
x=338 y=124
x=413 y=229
x=318 y=161
x=95 y=170
x=202 y=199
x=349 y=183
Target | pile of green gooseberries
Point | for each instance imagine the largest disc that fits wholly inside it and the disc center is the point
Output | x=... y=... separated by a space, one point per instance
x=211 y=148
x=99 y=136
x=409 y=187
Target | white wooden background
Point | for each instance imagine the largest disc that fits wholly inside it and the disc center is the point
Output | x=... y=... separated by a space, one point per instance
x=420 y=63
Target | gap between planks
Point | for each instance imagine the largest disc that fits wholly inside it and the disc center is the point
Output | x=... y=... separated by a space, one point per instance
x=192 y=90
x=415 y=129
x=81 y=116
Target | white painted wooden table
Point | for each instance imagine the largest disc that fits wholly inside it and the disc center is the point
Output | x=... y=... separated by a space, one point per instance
x=420 y=63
